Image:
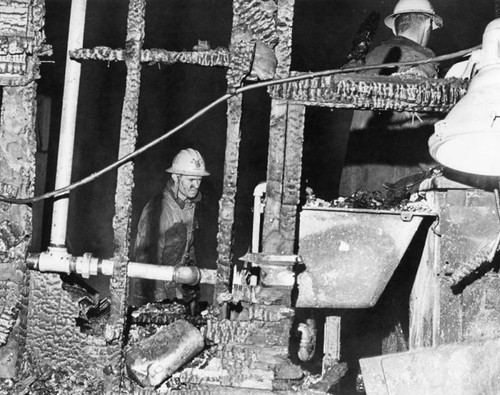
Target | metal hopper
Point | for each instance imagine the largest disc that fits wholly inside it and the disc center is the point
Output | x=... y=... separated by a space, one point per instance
x=350 y=254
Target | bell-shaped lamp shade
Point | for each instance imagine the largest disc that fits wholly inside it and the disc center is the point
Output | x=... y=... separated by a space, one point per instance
x=468 y=139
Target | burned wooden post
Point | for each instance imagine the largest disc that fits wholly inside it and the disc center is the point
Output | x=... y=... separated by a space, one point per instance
x=123 y=195
x=17 y=164
x=285 y=151
x=252 y=349
x=22 y=41
x=239 y=68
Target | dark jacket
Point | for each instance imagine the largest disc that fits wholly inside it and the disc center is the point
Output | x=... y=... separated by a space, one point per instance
x=385 y=146
x=396 y=49
x=165 y=229
x=164 y=237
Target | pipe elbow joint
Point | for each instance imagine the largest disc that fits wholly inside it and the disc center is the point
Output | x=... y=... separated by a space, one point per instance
x=188 y=275
x=307 y=345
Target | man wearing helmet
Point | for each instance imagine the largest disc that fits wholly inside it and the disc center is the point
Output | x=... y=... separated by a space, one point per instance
x=412 y=23
x=166 y=227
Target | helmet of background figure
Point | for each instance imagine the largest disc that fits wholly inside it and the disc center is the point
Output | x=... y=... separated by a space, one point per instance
x=188 y=162
x=414 y=6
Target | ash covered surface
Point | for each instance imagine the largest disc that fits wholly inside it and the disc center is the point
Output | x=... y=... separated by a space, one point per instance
x=45 y=380
x=376 y=200
x=143 y=323
x=174 y=384
x=146 y=320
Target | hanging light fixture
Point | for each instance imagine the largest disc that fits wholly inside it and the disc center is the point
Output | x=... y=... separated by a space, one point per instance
x=468 y=139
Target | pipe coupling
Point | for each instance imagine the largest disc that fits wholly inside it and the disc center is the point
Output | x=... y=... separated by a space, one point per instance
x=188 y=275
x=32 y=261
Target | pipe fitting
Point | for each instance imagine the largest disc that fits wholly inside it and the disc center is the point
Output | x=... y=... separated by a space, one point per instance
x=86 y=265
x=56 y=259
x=188 y=275
x=258 y=209
x=32 y=261
x=307 y=345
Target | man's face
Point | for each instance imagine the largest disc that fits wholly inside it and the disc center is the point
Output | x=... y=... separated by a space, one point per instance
x=188 y=186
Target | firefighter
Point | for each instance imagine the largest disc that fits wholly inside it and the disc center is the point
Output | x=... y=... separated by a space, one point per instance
x=166 y=227
x=412 y=22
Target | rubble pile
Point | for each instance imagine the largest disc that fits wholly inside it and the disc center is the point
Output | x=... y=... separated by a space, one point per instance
x=152 y=360
x=376 y=200
x=146 y=320
x=167 y=338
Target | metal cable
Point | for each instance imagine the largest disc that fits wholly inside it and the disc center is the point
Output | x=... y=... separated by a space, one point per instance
x=126 y=158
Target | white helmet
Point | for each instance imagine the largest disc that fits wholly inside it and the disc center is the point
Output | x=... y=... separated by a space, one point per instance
x=188 y=162
x=417 y=6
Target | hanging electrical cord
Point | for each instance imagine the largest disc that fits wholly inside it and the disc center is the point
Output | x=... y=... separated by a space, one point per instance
x=126 y=158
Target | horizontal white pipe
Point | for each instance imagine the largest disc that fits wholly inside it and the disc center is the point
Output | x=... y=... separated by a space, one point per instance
x=57 y=260
x=151 y=272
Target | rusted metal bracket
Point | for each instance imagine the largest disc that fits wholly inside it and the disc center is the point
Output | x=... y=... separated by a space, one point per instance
x=275 y=269
x=260 y=259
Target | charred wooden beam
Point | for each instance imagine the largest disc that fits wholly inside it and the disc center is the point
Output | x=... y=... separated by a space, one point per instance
x=292 y=176
x=241 y=58
x=238 y=58
x=211 y=57
x=284 y=33
x=358 y=91
x=21 y=41
x=271 y=238
x=258 y=17
x=263 y=326
x=17 y=176
x=227 y=201
x=8 y=318
x=123 y=195
x=281 y=111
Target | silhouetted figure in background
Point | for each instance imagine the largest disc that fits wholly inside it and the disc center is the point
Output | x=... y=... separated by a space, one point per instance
x=385 y=145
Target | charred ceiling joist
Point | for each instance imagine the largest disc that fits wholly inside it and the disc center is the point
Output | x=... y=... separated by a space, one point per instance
x=358 y=91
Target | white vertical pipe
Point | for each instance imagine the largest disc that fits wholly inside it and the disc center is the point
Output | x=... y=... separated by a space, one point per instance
x=68 y=121
x=258 y=192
